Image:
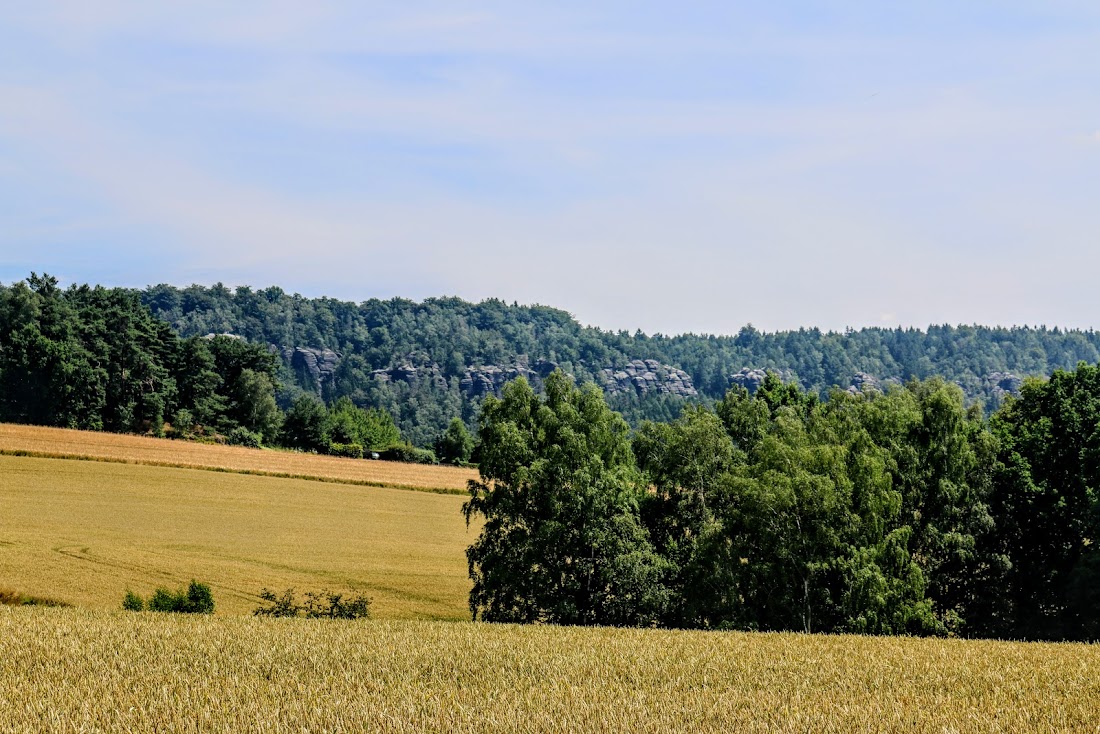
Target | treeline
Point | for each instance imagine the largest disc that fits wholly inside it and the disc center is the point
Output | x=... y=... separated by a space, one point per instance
x=96 y=358
x=901 y=512
x=455 y=334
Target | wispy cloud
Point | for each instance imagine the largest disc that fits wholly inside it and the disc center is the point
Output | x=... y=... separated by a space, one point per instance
x=673 y=173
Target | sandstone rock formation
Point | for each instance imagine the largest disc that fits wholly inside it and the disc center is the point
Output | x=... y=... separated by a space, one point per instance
x=645 y=377
x=411 y=374
x=1000 y=385
x=864 y=382
x=319 y=364
x=751 y=378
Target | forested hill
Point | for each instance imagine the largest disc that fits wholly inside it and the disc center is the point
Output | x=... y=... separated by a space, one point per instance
x=429 y=361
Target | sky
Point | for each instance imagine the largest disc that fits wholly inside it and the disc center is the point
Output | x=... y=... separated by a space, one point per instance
x=669 y=167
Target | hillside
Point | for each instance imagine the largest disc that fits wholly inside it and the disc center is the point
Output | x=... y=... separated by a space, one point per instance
x=83 y=532
x=45 y=442
x=430 y=361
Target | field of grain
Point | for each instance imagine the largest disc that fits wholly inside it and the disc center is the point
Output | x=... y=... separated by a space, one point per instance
x=83 y=532
x=62 y=442
x=79 y=670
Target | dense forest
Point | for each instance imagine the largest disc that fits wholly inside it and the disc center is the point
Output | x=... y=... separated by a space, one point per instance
x=428 y=362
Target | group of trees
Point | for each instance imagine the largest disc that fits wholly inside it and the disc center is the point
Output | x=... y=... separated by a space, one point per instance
x=896 y=512
x=341 y=428
x=96 y=358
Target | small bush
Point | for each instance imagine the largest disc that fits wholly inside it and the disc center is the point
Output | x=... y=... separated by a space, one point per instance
x=317 y=605
x=132 y=602
x=278 y=606
x=349 y=450
x=243 y=437
x=200 y=600
x=409 y=454
x=196 y=600
x=183 y=424
x=333 y=606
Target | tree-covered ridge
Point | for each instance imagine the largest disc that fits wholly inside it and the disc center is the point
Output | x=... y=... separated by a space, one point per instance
x=455 y=333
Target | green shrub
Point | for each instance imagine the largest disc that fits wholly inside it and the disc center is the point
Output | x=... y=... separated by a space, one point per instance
x=409 y=454
x=350 y=450
x=183 y=424
x=278 y=606
x=200 y=600
x=196 y=600
x=132 y=602
x=333 y=606
x=164 y=600
x=240 y=436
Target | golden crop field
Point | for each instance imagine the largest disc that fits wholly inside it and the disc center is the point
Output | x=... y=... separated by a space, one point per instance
x=71 y=670
x=84 y=531
x=63 y=442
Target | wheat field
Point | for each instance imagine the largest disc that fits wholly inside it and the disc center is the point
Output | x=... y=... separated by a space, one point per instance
x=122 y=448
x=71 y=670
x=83 y=532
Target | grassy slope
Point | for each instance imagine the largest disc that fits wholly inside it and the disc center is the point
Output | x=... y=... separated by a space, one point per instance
x=92 y=671
x=84 y=532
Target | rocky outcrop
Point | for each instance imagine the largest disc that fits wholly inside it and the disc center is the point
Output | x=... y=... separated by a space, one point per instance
x=640 y=377
x=413 y=375
x=752 y=378
x=646 y=377
x=490 y=379
x=863 y=382
x=1000 y=385
x=318 y=364
x=749 y=379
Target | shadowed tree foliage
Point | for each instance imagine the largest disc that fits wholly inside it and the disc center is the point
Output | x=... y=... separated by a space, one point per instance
x=1045 y=506
x=456 y=444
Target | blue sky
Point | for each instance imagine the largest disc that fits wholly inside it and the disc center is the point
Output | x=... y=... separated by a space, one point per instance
x=669 y=167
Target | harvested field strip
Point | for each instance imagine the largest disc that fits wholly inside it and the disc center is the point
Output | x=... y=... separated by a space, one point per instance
x=75 y=670
x=84 y=532
x=41 y=442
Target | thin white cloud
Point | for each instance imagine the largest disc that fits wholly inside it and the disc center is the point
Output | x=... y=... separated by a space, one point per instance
x=667 y=210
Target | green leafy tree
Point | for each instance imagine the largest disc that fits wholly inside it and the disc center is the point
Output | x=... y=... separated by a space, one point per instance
x=253 y=404
x=372 y=428
x=455 y=445
x=562 y=541
x=305 y=425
